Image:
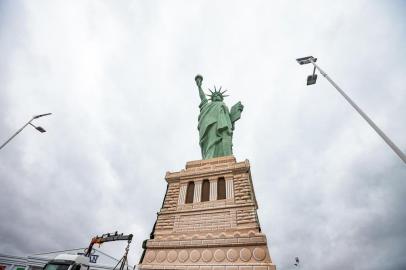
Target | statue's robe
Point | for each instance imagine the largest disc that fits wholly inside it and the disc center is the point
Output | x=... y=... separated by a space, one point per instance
x=215 y=129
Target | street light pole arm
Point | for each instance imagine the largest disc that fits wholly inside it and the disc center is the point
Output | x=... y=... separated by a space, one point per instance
x=15 y=134
x=358 y=109
x=40 y=129
x=41 y=115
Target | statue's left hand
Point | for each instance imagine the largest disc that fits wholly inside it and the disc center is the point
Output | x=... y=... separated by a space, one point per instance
x=239 y=106
x=235 y=112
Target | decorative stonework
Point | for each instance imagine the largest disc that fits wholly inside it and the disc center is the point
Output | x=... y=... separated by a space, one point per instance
x=150 y=256
x=219 y=255
x=183 y=256
x=210 y=235
x=259 y=254
x=207 y=255
x=172 y=256
x=232 y=255
x=194 y=255
x=161 y=256
x=245 y=254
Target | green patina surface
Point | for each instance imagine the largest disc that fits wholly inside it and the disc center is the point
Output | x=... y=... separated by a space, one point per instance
x=216 y=123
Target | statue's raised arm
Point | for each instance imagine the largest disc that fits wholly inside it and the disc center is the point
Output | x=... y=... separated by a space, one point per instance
x=199 y=79
x=216 y=122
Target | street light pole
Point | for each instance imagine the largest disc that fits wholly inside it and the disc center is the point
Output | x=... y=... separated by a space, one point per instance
x=40 y=129
x=396 y=149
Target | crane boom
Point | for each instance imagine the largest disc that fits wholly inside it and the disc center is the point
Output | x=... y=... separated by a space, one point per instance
x=107 y=237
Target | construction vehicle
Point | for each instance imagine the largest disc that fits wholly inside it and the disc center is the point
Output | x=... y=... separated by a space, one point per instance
x=81 y=261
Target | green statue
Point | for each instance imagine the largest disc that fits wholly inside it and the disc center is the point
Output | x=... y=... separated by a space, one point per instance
x=216 y=123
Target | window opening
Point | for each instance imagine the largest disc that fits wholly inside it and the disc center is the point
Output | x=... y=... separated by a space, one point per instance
x=190 y=191
x=221 y=189
x=205 y=191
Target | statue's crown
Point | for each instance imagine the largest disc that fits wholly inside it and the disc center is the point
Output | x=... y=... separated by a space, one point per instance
x=217 y=92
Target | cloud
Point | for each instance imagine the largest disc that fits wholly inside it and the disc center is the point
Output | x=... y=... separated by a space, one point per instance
x=118 y=78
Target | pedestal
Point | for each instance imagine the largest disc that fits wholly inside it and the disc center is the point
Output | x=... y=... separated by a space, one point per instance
x=208 y=220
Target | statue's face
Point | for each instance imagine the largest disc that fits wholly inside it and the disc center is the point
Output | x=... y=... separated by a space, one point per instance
x=217 y=97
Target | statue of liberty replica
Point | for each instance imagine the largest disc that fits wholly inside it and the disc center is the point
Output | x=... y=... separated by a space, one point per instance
x=208 y=219
x=216 y=122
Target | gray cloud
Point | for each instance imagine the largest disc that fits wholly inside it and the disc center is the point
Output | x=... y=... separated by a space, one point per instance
x=118 y=79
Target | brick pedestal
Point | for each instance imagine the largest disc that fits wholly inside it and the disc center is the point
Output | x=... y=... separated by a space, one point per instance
x=218 y=234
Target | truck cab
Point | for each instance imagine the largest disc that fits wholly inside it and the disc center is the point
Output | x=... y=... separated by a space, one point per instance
x=68 y=262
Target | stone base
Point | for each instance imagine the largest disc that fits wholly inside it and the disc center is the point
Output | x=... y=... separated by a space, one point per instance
x=247 y=251
x=219 y=234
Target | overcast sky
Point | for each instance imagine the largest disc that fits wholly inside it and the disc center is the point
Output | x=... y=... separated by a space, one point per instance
x=118 y=77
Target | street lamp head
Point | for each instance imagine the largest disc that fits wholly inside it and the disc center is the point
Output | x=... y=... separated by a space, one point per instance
x=306 y=60
x=40 y=129
x=311 y=79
